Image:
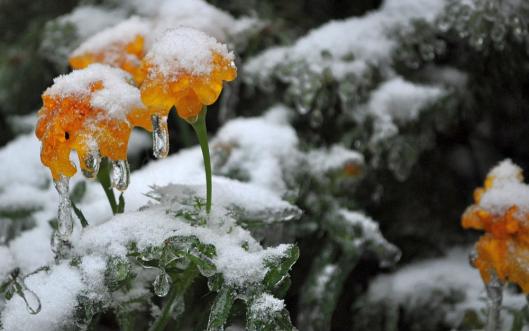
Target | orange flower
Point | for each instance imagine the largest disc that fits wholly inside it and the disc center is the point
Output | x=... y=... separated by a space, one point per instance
x=121 y=46
x=185 y=68
x=500 y=211
x=89 y=111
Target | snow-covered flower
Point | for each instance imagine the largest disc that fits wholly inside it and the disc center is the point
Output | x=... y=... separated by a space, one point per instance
x=185 y=68
x=122 y=46
x=90 y=111
x=501 y=209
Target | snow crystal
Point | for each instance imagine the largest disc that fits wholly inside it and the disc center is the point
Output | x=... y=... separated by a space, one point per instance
x=120 y=34
x=186 y=50
x=57 y=291
x=7 y=263
x=117 y=97
x=265 y=306
x=397 y=102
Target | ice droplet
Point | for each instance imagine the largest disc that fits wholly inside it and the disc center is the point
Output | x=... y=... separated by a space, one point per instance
x=64 y=217
x=162 y=284
x=120 y=175
x=32 y=301
x=160 y=137
x=92 y=162
x=494 y=290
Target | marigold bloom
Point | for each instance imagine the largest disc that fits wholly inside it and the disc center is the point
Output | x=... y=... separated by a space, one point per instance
x=501 y=209
x=121 y=46
x=185 y=68
x=90 y=111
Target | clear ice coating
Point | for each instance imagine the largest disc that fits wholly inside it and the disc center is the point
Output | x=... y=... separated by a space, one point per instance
x=162 y=284
x=494 y=297
x=120 y=175
x=31 y=300
x=92 y=162
x=64 y=217
x=160 y=137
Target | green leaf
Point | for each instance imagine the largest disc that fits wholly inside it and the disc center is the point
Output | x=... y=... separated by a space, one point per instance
x=220 y=310
x=278 y=270
x=80 y=215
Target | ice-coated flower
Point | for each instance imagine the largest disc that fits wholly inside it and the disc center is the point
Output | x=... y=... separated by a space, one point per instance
x=501 y=210
x=90 y=111
x=185 y=68
x=122 y=46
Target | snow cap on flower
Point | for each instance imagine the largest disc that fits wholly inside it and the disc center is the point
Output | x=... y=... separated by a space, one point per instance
x=122 y=46
x=185 y=68
x=90 y=111
x=501 y=209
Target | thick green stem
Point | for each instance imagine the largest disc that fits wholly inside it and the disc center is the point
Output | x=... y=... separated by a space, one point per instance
x=200 y=129
x=103 y=177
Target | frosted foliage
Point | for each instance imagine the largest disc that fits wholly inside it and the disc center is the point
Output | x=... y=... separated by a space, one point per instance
x=507 y=189
x=185 y=50
x=260 y=147
x=398 y=102
x=368 y=39
x=120 y=34
x=265 y=306
x=57 y=290
x=229 y=194
x=416 y=283
x=117 y=97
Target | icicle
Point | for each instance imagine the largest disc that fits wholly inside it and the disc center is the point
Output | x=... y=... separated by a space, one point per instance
x=65 y=220
x=160 y=136
x=92 y=162
x=494 y=297
x=120 y=175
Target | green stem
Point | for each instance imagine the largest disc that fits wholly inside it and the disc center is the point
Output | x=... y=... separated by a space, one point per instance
x=200 y=129
x=103 y=177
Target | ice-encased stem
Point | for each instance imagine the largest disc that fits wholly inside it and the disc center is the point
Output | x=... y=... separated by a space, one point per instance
x=494 y=290
x=64 y=215
x=160 y=137
x=200 y=129
x=120 y=175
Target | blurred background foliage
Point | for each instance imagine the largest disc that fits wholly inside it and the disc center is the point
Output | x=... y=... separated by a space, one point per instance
x=416 y=184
